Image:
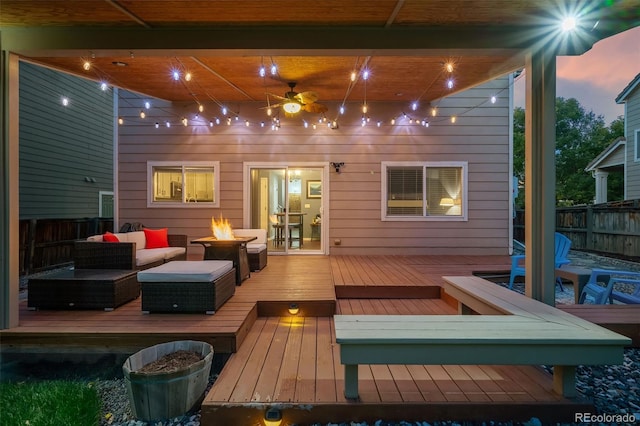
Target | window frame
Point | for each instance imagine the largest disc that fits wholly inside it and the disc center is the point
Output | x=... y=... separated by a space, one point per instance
x=463 y=165
x=183 y=165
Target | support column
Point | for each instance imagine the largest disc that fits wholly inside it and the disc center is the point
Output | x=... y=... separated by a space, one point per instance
x=601 y=185
x=540 y=176
x=9 y=208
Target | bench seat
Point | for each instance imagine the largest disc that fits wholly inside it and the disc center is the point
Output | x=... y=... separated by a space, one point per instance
x=511 y=330
x=187 y=286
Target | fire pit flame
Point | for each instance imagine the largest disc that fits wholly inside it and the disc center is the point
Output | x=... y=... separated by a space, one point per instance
x=222 y=229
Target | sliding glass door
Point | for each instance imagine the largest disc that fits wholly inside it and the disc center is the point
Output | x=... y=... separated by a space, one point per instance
x=287 y=202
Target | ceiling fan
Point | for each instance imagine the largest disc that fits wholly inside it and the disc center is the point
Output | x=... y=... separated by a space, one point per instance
x=293 y=102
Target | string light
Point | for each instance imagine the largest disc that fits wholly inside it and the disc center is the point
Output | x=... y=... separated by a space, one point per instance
x=434 y=111
x=176 y=75
x=120 y=120
x=104 y=86
x=450 y=83
x=274 y=69
x=142 y=114
x=449 y=67
x=210 y=123
x=86 y=65
x=187 y=76
x=168 y=124
x=147 y=104
x=262 y=72
x=224 y=110
x=453 y=119
x=353 y=76
x=414 y=106
x=493 y=99
x=341 y=109
x=246 y=123
x=65 y=101
x=157 y=125
x=184 y=121
x=201 y=108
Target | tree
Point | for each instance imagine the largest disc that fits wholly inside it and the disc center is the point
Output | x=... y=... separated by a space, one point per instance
x=580 y=137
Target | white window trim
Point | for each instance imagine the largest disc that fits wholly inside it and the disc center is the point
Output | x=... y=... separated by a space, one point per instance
x=200 y=205
x=465 y=184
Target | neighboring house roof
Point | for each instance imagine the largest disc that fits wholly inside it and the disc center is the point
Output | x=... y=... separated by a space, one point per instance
x=608 y=153
x=622 y=97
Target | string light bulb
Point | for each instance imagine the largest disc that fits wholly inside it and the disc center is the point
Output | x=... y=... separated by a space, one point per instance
x=274 y=69
x=269 y=111
x=414 y=106
x=201 y=108
x=184 y=121
x=449 y=67
x=187 y=76
x=365 y=74
x=453 y=119
x=86 y=65
x=493 y=99
x=393 y=121
x=176 y=75
x=168 y=124
x=147 y=104
x=450 y=83
x=224 y=110
x=104 y=86
x=365 y=108
x=434 y=111
x=341 y=109
x=65 y=101
x=353 y=76
x=120 y=120
x=262 y=71
x=157 y=125
x=142 y=114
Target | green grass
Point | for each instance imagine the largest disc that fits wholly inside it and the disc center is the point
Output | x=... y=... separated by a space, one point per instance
x=47 y=403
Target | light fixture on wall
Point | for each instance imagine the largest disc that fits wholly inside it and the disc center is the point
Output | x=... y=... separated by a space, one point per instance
x=337 y=166
x=294 y=309
x=272 y=417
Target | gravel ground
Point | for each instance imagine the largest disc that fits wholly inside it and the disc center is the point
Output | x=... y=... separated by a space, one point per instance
x=613 y=389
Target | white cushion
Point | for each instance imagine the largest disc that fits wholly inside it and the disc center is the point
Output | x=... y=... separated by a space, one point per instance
x=170 y=252
x=145 y=257
x=260 y=234
x=97 y=238
x=186 y=271
x=255 y=248
x=136 y=237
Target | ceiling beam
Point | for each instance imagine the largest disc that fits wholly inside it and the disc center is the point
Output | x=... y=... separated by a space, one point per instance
x=290 y=40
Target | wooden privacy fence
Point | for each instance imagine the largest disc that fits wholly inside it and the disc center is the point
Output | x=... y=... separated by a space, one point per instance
x=48 y=243
x=612 y=228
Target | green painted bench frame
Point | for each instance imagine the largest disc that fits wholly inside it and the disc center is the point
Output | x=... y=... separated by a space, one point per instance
x=534 y=334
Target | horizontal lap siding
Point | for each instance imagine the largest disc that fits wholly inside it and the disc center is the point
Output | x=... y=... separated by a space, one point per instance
x=62 y=146
x=632 y=179
x=480 y=137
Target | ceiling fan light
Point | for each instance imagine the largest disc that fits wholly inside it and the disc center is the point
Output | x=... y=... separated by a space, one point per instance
x=292 y=107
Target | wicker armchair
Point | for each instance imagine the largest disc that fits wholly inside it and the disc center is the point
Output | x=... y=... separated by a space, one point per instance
x=120 y=255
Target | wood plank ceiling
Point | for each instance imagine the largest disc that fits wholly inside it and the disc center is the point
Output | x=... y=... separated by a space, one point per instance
x=401 y=74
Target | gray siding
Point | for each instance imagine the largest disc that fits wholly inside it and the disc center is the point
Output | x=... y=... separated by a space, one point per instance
x=480 y=137
x=61 y=146
x=632 y=118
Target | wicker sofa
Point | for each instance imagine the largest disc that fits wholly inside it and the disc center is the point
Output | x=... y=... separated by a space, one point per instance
x=130 y=252
x=256 y=249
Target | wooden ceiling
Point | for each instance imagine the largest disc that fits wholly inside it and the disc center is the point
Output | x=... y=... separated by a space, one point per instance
x=405 y=44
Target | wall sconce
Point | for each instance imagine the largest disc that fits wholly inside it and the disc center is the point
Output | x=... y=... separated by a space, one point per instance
x=272 y=417
x=294 y=309
x=337 y=166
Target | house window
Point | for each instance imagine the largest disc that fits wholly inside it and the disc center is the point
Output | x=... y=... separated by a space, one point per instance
x=424 y=191
x=637 y=153
x=191 y=184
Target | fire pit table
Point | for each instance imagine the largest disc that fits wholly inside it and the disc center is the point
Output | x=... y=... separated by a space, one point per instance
x=234 y=250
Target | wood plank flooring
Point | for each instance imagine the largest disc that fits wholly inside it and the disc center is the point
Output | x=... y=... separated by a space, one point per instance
x=293 y=362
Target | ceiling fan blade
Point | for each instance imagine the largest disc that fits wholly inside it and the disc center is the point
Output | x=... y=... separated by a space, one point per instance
x=307 y=97
x=315 y=108
x=282 y=98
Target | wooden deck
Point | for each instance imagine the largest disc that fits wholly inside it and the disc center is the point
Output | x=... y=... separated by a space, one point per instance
x=292 y=362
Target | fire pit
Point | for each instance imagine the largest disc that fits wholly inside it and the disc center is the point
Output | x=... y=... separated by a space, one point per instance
x=223 y=245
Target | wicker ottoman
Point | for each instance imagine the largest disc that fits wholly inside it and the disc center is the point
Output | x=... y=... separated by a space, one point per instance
x=83 y=289
x=187 y=286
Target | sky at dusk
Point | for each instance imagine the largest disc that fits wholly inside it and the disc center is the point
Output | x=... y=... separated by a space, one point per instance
x=596 y=77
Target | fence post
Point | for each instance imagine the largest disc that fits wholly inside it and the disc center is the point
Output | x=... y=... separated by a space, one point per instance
x=589 y=225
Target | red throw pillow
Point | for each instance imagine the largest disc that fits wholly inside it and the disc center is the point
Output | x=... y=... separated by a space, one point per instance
x=156 y=238
x=110 y=238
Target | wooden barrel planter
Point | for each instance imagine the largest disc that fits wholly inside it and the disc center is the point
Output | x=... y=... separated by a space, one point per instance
x=164 y=395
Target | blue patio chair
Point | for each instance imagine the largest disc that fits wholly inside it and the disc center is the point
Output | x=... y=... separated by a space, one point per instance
x=599 y=289
x=562 y=247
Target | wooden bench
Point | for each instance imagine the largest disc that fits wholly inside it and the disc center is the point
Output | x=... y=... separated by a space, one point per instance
x=623 y=319
x=534 y=334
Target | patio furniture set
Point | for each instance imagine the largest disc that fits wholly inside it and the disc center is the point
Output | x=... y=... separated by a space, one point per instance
x=111 y=270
